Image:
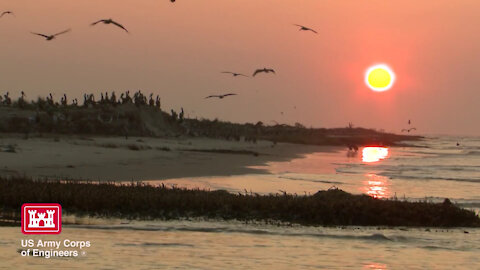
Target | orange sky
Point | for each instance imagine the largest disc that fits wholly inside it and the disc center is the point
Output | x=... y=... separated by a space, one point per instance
x=177 y=51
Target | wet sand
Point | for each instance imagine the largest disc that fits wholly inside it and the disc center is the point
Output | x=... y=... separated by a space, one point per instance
x=135 y=158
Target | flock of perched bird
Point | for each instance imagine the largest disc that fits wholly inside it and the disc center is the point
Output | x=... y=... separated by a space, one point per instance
x=89 y=100
x=49 y=37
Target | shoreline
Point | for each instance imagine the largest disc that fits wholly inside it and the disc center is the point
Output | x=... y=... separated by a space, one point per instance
x=140 y=158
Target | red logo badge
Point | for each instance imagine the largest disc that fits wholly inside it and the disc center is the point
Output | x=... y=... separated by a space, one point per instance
x=41 y=218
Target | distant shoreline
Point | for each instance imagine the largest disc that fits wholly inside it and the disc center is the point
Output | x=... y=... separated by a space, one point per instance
x=142 y=201
x=141 y=120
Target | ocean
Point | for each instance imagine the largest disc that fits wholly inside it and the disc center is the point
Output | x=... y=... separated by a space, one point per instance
x=432 y=169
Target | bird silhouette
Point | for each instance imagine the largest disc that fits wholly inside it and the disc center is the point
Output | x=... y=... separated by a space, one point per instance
x=221 y=96
x=50 y=37
x=304 y=28
x=408 y=130
x=409 y=122
x=266 y=70
x=234 y=73
x=7 y=12
x=110 y=21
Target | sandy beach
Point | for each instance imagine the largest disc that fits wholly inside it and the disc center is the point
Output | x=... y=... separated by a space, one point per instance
x=118 y=159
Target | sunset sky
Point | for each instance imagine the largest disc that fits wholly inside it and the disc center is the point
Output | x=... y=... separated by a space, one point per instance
x=177 y=50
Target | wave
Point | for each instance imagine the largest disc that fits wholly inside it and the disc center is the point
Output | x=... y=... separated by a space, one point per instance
x=473 y=153
x=371 y=237
x=430 y=247
x=148 y=244
x=424 y=177
x=311 y=180
x=461 y=173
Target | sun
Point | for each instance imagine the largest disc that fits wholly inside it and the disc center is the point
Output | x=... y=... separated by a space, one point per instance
x=379 y=77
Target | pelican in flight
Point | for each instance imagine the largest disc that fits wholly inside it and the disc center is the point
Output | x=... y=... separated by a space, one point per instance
x=50 y=37
x=221 y=96
x=266 y=70
x=109 y=21
x=234 y=73
x=7 y=12
x=408 y=130
x=304 y=28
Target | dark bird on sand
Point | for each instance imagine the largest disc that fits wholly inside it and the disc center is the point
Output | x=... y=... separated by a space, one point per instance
x=50 y=37
x=7 y=12
x=408 y=130
x=110 y=21
x=304 y=28
x=221 y=96
x=234 y=73
x=266 y=70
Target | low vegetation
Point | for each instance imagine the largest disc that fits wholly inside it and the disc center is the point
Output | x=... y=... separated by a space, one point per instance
x=128 y=120
x=142 y=201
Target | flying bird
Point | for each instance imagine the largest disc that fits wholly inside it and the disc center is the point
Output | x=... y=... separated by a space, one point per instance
x=7 y=12
x=266 y=70
x=304 y=28
x=221 y=96
x=408 y=130
x=50 y=37
x=234 y=73
x=110 y=21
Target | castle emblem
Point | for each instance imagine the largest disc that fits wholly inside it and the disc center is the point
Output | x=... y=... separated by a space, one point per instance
x=41 y=218
x=34 y=222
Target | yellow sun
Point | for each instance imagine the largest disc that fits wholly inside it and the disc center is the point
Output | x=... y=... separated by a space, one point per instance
x=379 y=77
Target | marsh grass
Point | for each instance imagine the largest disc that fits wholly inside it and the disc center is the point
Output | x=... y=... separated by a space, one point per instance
x=142 y=201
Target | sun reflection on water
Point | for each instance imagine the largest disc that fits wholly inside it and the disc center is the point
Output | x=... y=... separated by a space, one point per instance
x=376 y=186
x=374 y=153
x=375 y=266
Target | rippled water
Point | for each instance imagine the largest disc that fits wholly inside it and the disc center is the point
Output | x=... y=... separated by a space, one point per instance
x=234 y=245
x=437 y=168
